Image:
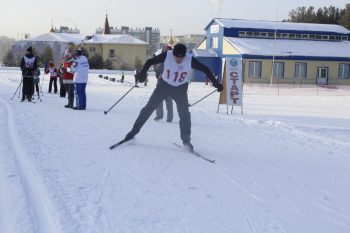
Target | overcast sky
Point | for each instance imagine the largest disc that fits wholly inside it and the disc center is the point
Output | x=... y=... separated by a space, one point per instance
x=183 y=16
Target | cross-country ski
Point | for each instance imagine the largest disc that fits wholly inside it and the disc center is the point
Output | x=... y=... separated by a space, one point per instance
x=194 y=153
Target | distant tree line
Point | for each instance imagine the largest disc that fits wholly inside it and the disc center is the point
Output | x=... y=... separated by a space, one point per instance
x=10 y=60
x=96 y=60
x=325 y=15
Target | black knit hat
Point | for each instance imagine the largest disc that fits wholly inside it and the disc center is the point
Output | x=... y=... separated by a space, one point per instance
x=79 y=52
x=180 y=50
x=30 y=49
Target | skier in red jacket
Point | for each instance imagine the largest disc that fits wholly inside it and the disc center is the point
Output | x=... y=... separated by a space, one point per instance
x=68 y=76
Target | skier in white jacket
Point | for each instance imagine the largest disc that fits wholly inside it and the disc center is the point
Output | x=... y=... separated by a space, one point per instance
x=81 y=73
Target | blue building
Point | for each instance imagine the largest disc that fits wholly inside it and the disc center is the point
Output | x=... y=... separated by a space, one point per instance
x=278 y=52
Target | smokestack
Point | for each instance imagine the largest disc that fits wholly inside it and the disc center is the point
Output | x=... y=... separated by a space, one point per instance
x=217 y=6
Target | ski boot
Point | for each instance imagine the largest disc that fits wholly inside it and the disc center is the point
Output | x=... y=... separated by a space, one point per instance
x=188 y=146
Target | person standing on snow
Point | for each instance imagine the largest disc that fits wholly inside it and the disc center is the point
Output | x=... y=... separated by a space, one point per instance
x=137 y=70
x=53 y=76
x=37 y=81
x=122 y=78
x=28 y=66
x=159 y=69
x=174 y=83
x=63 y=91
x=68 y=76
x=80 y=69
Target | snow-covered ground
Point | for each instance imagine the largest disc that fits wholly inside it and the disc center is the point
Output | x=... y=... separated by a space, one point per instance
x=284 y=166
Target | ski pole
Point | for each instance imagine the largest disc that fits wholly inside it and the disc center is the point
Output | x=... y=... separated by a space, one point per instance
x=106 y=112
x=20 y=84
x=191 y=105
x=38 y=92
x=42 y=83
x=20 y=87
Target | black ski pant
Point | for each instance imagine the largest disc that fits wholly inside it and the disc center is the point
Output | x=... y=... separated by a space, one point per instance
x=36 y=86
x=70 y=90
x=53 y=81
x=169 y=107
x=179 y=95
x=63 y=90
x=28 y=87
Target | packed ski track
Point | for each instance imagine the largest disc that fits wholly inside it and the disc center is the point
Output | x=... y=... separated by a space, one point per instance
x=40 y=210
x=282 y=167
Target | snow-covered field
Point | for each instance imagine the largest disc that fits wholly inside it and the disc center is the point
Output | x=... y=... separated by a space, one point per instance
x=284 y=166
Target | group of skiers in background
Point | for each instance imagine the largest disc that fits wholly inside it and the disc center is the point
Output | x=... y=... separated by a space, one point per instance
x=72 y=75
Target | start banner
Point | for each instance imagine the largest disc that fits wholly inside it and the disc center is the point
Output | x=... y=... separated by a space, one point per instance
x=232 y=80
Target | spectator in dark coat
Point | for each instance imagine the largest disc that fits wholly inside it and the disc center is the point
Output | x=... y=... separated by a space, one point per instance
x=28 y=66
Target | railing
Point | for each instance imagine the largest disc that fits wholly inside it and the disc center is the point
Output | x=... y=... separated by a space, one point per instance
x=293 y=86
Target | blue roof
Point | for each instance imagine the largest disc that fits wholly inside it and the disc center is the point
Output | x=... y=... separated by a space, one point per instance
x=276 y=25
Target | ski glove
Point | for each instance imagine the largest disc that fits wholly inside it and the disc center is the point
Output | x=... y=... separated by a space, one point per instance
x=218 y=86
x=141 y=77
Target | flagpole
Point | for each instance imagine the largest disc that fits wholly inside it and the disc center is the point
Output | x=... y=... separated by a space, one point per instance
x=274 y=45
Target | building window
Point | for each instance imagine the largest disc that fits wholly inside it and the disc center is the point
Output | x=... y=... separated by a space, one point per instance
x=300 y=70
x=331 y=37
x=92 y=50
x=278 y=70
x=256 y=34
x=255 y=69
x=214 y=29
x=215 y=43
x=343 y=72
x=242 y=34
x=271 y=35
x=112 y=53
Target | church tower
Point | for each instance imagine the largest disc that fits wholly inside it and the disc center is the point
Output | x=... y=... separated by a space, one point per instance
x=106 y=30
